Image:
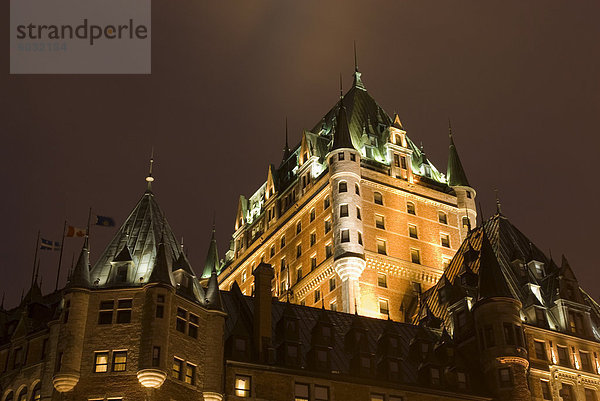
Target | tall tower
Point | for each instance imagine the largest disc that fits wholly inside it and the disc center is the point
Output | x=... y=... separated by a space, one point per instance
x=349 y=252
x=502 y=352
x=465 y=194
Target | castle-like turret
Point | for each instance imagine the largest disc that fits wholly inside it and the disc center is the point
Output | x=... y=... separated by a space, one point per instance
x=74 y=320
x=502 y=351
x=349 y=252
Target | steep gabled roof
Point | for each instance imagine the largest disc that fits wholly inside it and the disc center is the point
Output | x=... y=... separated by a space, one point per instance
x=141 y=233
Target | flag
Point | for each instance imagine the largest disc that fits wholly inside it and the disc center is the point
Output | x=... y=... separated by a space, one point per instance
x=75 y=232
x=105 y=221
x=47 y=245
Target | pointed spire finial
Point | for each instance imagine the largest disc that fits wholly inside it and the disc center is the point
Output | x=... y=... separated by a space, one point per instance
x=498 y=205
x=149 y=178
x=449 y=129
x=341 y=87
x=481 y=213
x=355 y=58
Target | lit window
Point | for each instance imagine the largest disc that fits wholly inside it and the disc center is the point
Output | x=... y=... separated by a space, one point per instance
x=301 y=390
x=381 y=280
x=442 y=218
x=322 y=392
x=360 y=241
x=465 y=222
x=345 y=236
x=106 y=312
x=326 y=202
x=101 y=362
x=415 y=256
x=504 y=377
x=177 y=368
x=332 y=284
x=546 y=395
x=445 y=239
x=124 y=310
x=119 y=362
x=575 y=322
x=190 y=373
x=312 y=214
x=327 y=226
x=378 y=198
x=379 y=221
x=384 y=307
x=377 y=397
x=242 y=386
x=381 y=247
x=412 y=231
x=298 y=227
x=410 y=208
x=343 y=186
x=343 y=210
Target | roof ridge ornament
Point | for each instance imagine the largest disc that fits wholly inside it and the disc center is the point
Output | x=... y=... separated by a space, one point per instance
x=355 y=58
x=498 y=204
x=149 y=178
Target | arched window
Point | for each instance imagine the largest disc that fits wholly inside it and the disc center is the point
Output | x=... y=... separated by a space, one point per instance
x=410 y=208
x=36 y=394
x=343 y=186
x=9 y=397
x=378 y=198
x=22 y=394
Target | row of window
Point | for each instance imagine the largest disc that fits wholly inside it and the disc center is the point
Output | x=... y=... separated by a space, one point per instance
x=302 y=391
x=36 y=394
x=103 y=362
x=567 y=392
x=566 y=356
x=184 y=371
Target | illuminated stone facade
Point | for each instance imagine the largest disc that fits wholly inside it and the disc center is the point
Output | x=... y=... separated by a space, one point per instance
x=355 y=216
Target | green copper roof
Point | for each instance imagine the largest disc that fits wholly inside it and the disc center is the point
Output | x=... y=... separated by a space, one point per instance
x=456 y=174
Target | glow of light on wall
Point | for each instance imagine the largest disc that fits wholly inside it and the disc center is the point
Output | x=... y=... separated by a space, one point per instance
x=575 y=360
x=553 y=356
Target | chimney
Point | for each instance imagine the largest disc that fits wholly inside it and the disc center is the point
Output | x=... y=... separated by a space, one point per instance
x=263 y=275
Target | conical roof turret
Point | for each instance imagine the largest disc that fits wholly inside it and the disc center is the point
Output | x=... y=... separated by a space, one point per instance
x=213 y=294
x=161 y=272
x=212 y=258
x=455 y=173
x=492 y=282
x=341 y=135
x=80 y=278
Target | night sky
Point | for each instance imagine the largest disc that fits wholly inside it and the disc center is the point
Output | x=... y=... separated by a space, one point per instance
x=519 y=80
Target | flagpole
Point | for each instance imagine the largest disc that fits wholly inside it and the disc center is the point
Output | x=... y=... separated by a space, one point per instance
x=87 y=230
x=37 y=245
x=62 y=245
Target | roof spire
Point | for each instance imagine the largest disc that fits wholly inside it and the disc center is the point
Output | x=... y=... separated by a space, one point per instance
x=492 y=282
x=212 y=257
x=498 y=204
x=286 y=148
x=355 y=58
x=481 y=213
x=149 y=178
x=342 y=138
x=455 y=173
x=341 y=87
x=80 y=276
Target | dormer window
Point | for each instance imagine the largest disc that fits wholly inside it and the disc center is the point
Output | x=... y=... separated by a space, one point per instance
x=121 y=276
x=576 y=323
x=540 y=317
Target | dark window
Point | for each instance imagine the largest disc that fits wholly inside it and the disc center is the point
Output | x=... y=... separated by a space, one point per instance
x=340 y=156
x=327 y=226
x=465 y=222
x=563 y=356
x=36 y=395
x=509 y=334
x=326 y=203
x=101 y=362
x=590 y=395
x=546 y=395
x=282 y=241
x=242 y=386
x=119 y=362
x=106 y=312
x=160 y=311
x=272 y=251
x=384 y=307
x=403 y=162
x=445 y=239
x=313 y=263
x=317 y=295
x=469 y=194
x=312 y=214
x=9 y=397
x=313 y=238
x=358 y=216
x=504 y=377
x=298 y=227
x=586 y=362
x=396 y=160
x=181 y=320
x=328 y=250
x=378 y=198
x=412 y=231
x=322 y=392
x=298 y=250
x=18 y=356
x=415 y=256
x=193 y=326
x=379 y=221
x=360 y=241
x=155 y=356
x=301 y=392
x=343 y=186
x=356 y=189
x=540 y=317
x=442 y=218
x=461 y=380
x=540 y=350
x=22 y=395
x=343 y=210
x=381 y=280
x=567 y=393
x=410 y=208
x=435 y=376
x=381 y=247
x=345 y=236
x=299 y=273
x=122 y=273
x=488 y=332
x=332 y=284
x=124 y=311
x=352 y=157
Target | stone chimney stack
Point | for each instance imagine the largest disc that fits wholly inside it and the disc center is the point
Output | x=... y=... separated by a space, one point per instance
x=263 y=275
